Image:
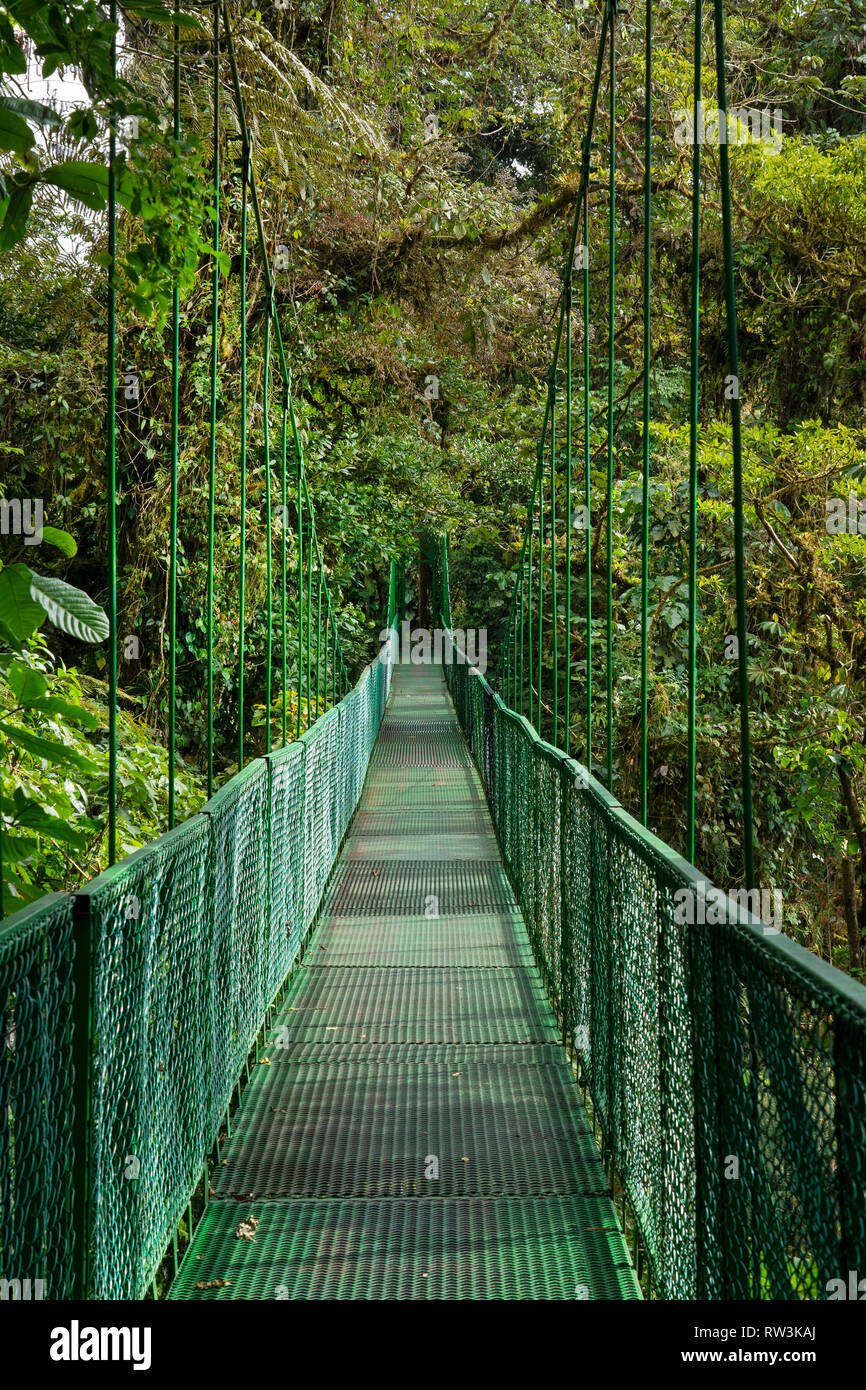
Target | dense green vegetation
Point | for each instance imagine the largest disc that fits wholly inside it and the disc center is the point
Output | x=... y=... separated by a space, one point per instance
x=415 y=249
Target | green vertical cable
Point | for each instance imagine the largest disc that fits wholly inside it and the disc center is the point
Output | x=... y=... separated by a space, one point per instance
x=693 y=432
x=329 y=645
x=567 y=743
x=522 y=618
x=553 y=599
x=509 y=681
x=326 y=643
x=737 y=450
x=540 y=469
x=312 y=540
x=284 y=495
x=503 y=672
x=175 y=409
x=213 y=396
x=318 y=634
x=111 y=488
x=587 y=479
x=334 y=666
x=300 y=480
x=243 y=481
x=332 y=691
x=647 y=354
x=610 y=366
x=530 y=523
x=502 y=663
x=269 y=560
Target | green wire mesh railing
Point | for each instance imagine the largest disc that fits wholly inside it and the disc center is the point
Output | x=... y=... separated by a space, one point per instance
x=726 y=1064
x=129 y=1009
x=36 y=1152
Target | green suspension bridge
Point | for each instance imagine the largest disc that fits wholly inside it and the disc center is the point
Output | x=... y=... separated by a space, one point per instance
x=410 y=1009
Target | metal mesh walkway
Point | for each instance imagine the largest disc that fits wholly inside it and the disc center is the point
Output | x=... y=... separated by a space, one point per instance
x=413 y=1131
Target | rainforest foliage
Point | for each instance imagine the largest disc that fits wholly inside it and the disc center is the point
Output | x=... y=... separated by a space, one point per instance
x=418 y=168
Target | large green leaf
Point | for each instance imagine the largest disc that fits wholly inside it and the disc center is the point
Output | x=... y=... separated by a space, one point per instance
x=46 y=748
x=16 y=210
x=82 y=180
x=28 y=685
x=30 y=110
x=29 y=815
x=61 y=539
x=12 y=58
x=18 y=849
x=15 y=133
x=76 y=714
x=69 y=608
x=19 y=610
x=160 y=14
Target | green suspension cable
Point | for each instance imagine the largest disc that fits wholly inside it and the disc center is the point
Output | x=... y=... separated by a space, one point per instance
x=211 y=480
x=540 y=580
x=587 y=480
x=326 y=643
x=243 y=461
x=269 y=563
x=334 y=666
x=284 y=562
x=568 y=519
x=312 y=540
x=737 y=451
x=318 y=635
x=304 y=500
x=693 y=433
x=175 y=411
x=610 y=368
x=530 y=526
x=553 y=598
x=580 y=205
x=300 y=587
x=111 y=459
x=522 y=617
x=504 y=657
x=647 y=358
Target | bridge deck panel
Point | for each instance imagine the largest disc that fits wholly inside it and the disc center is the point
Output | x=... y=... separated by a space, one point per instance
x=413 y=1130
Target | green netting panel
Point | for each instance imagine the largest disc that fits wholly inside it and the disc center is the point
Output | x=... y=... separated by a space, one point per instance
x=189 y=940
x=36 y=1106
x=239 y=945
x=727 y=1064
x=782 y=1085
x=360 y=716
x=350 y=754
x=152 y=1065
x=286 y=792
x=417 y=1248
x=324 y=808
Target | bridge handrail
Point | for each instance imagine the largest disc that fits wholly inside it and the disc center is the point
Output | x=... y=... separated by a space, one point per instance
x=129 y=1009
x=726 y=1064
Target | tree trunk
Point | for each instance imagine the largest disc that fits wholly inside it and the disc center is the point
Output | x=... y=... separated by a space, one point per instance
x=849 y=898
